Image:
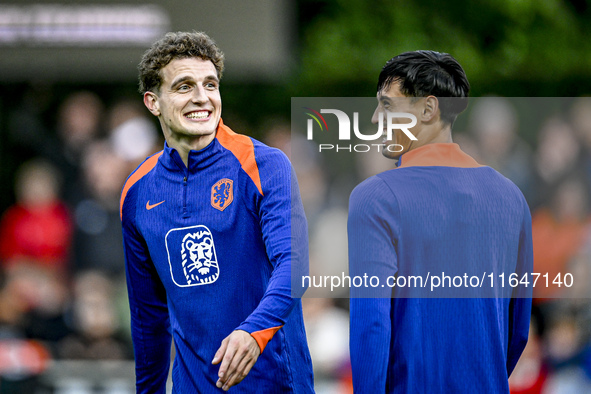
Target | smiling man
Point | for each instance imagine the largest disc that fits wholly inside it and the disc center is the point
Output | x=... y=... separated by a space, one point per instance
x=207 y=228
x=438 y=212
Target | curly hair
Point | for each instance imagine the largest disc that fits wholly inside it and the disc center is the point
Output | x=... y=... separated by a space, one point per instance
x=172 y=46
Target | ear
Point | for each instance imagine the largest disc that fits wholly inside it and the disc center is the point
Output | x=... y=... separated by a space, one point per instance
x=430 y=109
x=151 y=102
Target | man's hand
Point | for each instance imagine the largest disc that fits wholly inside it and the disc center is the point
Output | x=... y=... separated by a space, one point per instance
x=238 y=353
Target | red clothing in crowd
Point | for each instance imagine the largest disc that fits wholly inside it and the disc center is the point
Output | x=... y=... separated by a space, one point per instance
x=42 y=233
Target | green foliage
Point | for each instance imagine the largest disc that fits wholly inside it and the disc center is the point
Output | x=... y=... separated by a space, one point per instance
x=511 y=47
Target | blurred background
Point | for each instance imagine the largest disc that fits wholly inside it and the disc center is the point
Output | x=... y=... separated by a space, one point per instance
x=72 y=127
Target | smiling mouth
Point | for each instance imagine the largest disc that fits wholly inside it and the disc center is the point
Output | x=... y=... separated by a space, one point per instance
x=198 y=115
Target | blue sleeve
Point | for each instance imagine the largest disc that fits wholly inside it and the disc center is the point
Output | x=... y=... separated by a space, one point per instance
x=521 y=302
x=150 y=327
x=278 y=206
x=372 y=240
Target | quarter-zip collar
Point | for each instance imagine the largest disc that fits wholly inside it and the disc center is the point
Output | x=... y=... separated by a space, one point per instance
x=198 y=159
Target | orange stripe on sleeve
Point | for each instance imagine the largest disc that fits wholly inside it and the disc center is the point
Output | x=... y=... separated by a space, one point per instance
x=242 y=147
x=264 y=336
x=136 y=176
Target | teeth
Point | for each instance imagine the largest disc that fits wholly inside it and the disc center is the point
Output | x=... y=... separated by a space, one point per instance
x=198 y=115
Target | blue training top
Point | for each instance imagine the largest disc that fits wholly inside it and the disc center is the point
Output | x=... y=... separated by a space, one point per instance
x=439 y=213
x=208 y=251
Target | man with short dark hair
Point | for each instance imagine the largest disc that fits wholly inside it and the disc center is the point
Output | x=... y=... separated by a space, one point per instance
x=207 y=228
x=438 y=213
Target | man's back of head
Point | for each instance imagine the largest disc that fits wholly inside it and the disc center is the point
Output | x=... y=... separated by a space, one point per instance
x=424 y=73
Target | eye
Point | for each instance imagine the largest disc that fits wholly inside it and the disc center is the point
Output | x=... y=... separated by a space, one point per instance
x=184 y=88
x=211 y=85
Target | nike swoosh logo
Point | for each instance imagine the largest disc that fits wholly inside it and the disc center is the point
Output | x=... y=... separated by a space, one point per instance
x=148 y=206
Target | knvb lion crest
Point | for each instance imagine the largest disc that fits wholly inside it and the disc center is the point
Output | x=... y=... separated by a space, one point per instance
x=222 y=194
x=196 y=261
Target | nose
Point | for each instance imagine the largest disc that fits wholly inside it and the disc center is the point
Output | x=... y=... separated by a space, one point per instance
x=376 y=115
x=199 y=95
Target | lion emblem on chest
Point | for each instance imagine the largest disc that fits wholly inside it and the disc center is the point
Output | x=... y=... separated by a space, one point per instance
x=222 y=194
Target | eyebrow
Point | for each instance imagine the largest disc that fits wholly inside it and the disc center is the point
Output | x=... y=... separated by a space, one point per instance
x=189 y=78
x=382 y=98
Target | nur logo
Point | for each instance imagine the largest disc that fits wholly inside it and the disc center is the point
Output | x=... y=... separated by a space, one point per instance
x=388 y=122
x=317 y=121
x=345 y=124
x=222 y=194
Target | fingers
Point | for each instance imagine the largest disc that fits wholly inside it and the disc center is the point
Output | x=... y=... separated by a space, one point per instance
x=238 y=354
x=228 y=360
x=232 y=375
x=220 y=353
x=241 y=372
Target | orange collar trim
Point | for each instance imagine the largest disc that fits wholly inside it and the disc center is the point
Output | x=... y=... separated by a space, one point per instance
x=438 y=154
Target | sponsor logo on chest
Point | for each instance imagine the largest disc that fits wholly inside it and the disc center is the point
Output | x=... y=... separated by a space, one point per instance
x=191 y=256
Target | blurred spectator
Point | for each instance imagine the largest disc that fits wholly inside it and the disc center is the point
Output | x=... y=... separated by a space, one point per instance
x=44 y=294
x=38 y=226
x=530 y=373
x=558 y=233
x=278 y=135
x=328 y=251
x=569 y=355
x=12 y=309
x=96 y=325
x=327 y=330
x=468 y=143
x=580 y=116
x=579 y=266
x=21 y=360
x=494 y=122
x=28 y=133
x=79 y=123
x=557 y=156
x=98 y=240
x=132 y=134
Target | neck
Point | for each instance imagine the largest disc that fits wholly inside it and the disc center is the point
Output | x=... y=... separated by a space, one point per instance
x=184 y=144
x=432 y=135
x=443 y=136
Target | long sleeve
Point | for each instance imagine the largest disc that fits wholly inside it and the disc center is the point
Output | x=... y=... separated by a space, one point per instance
x=150 y=327
x=372 y=252
x=521 y=302
x=280 y=211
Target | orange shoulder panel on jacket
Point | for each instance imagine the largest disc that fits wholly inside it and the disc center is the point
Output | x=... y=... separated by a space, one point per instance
x=242 y=147
x=136 y=176
x=264 y=336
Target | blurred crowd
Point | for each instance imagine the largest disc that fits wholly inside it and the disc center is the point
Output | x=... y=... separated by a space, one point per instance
x=62 y=272
x=62 y=281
